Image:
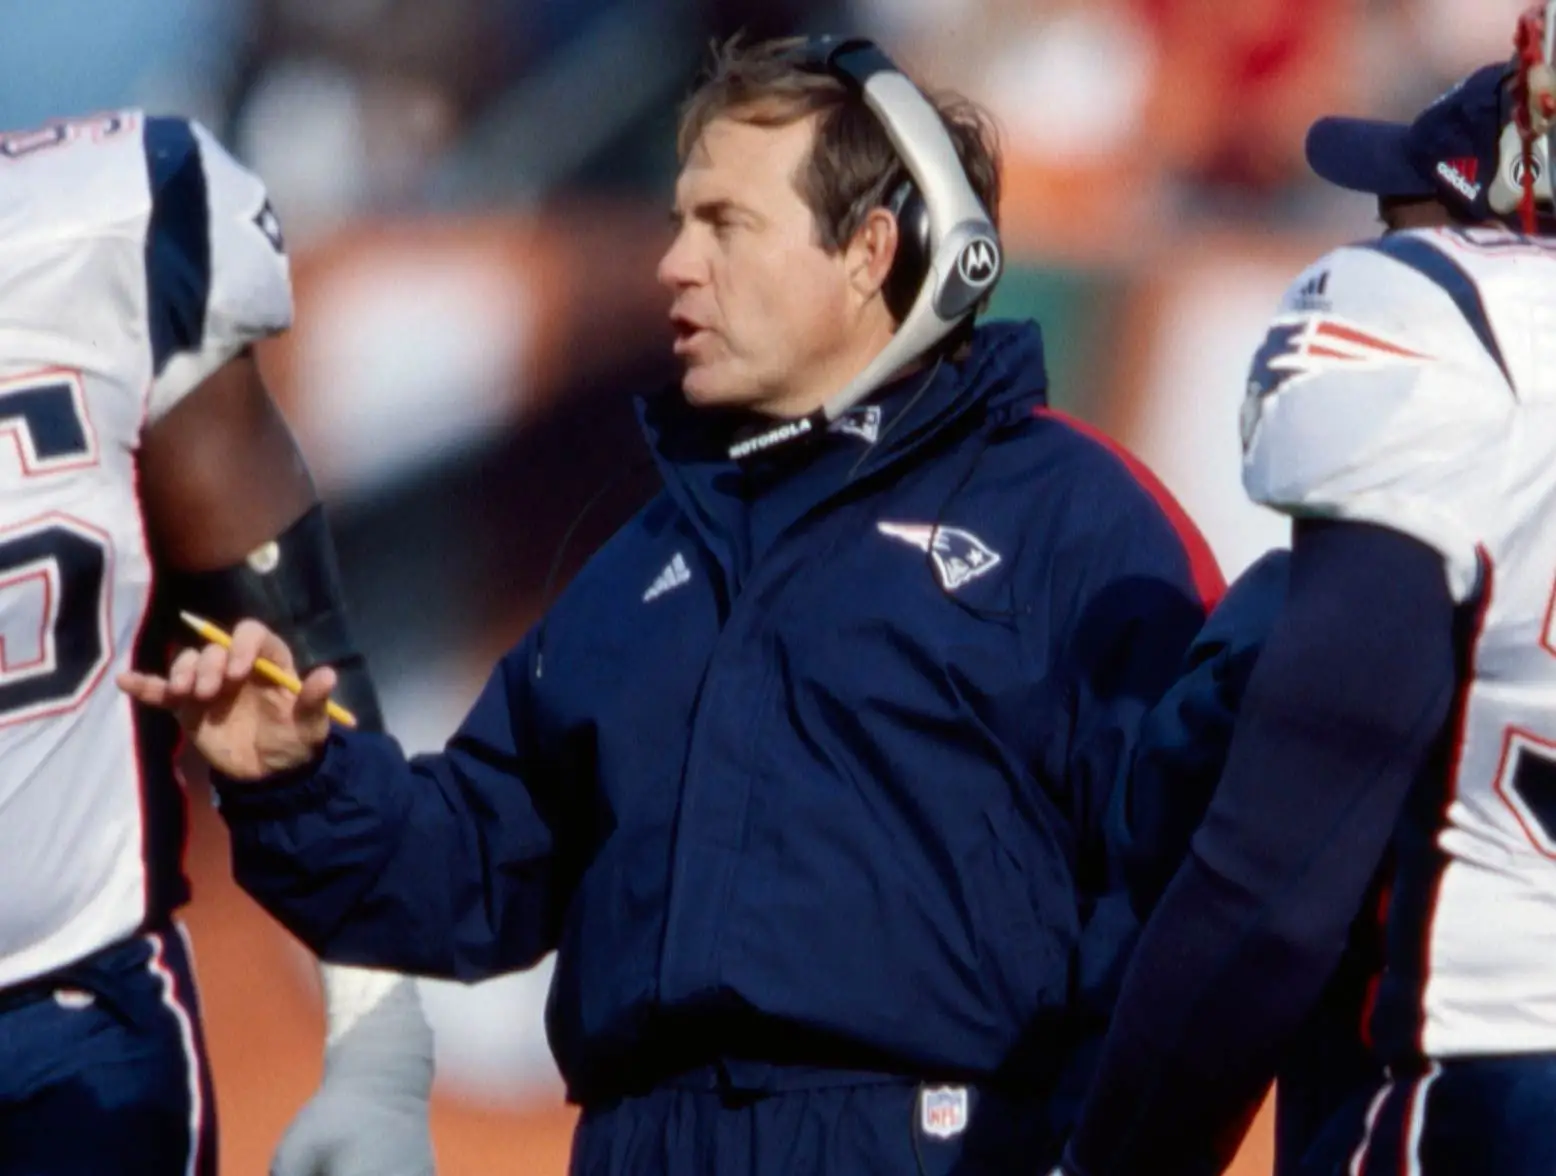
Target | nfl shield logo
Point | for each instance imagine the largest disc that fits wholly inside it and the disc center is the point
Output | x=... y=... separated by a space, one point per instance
x=942 y=1111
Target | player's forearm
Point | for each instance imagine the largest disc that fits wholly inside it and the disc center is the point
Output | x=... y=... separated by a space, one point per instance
x=1197 y=1035
x=370 y=1113
x=374 y=1022
x=1342 y=713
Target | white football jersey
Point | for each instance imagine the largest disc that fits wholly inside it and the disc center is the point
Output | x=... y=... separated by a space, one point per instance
x=136 y=257
x=1410 y=382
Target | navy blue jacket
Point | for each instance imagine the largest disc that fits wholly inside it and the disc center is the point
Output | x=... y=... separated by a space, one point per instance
x=1184 y=739
x=777 y=757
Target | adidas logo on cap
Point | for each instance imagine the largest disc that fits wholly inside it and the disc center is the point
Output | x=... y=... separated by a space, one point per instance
x=1459 y=174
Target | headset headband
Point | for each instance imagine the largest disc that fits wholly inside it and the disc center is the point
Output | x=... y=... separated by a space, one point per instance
x=965 y=259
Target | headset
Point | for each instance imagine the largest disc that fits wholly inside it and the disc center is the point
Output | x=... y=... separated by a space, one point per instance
x=948 y=250
x=1523 y=177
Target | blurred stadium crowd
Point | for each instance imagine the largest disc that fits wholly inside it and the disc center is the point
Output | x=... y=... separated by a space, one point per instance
x=474 y=193
x=369 y=107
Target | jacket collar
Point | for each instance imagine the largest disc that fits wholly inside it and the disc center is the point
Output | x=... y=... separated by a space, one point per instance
x=1001 y=370
x=739 y=509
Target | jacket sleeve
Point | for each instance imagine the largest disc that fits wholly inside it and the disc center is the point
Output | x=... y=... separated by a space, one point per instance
x=443 y=865
x=1134 y=590
x=1184 y=738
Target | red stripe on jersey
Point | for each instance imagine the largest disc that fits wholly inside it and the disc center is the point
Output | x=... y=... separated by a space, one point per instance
x=1329 y=329
x=1206 y=572
x=1378 y=929
x=164 y=884
x=1451 y=792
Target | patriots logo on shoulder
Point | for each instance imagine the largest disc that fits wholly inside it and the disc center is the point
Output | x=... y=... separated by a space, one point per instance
x=1305 y=346
x=958 y=555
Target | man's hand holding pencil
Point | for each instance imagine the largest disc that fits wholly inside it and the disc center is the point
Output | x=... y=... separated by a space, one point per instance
x=240 y=701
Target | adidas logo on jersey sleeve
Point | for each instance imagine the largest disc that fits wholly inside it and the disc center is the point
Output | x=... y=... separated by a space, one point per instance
x=1314 y=294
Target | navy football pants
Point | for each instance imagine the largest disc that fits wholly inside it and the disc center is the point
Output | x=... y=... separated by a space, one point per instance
x=820 y=1125
x=1491 y=1116
x=103 y=1069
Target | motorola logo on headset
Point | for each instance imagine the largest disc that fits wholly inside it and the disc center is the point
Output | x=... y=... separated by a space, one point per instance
x=1515 y=169
x=979 y=261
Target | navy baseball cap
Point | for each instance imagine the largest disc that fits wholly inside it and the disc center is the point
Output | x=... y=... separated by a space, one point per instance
x=1450 y=151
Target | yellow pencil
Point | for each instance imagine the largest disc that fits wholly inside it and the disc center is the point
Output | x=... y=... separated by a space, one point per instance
x=265 y=668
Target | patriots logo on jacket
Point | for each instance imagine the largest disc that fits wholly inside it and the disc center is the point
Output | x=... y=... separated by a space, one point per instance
x=1316 y=343
x=958 y=555
x=864 y=423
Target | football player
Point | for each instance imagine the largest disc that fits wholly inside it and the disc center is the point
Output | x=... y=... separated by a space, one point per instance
x=1401 y=717
x=146 y=462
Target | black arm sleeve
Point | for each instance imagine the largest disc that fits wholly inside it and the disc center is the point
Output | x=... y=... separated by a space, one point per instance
x=291 y=584
x=1343 y=711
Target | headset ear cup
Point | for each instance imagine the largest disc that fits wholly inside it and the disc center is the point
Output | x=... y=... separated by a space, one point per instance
x=911 y=265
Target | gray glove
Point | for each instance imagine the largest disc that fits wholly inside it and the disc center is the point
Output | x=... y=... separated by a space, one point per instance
x=369 y=1115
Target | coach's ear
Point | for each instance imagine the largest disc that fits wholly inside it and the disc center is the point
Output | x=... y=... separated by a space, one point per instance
x=868 y=256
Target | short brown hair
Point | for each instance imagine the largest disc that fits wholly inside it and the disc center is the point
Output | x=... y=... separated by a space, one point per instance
x=853 y=166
